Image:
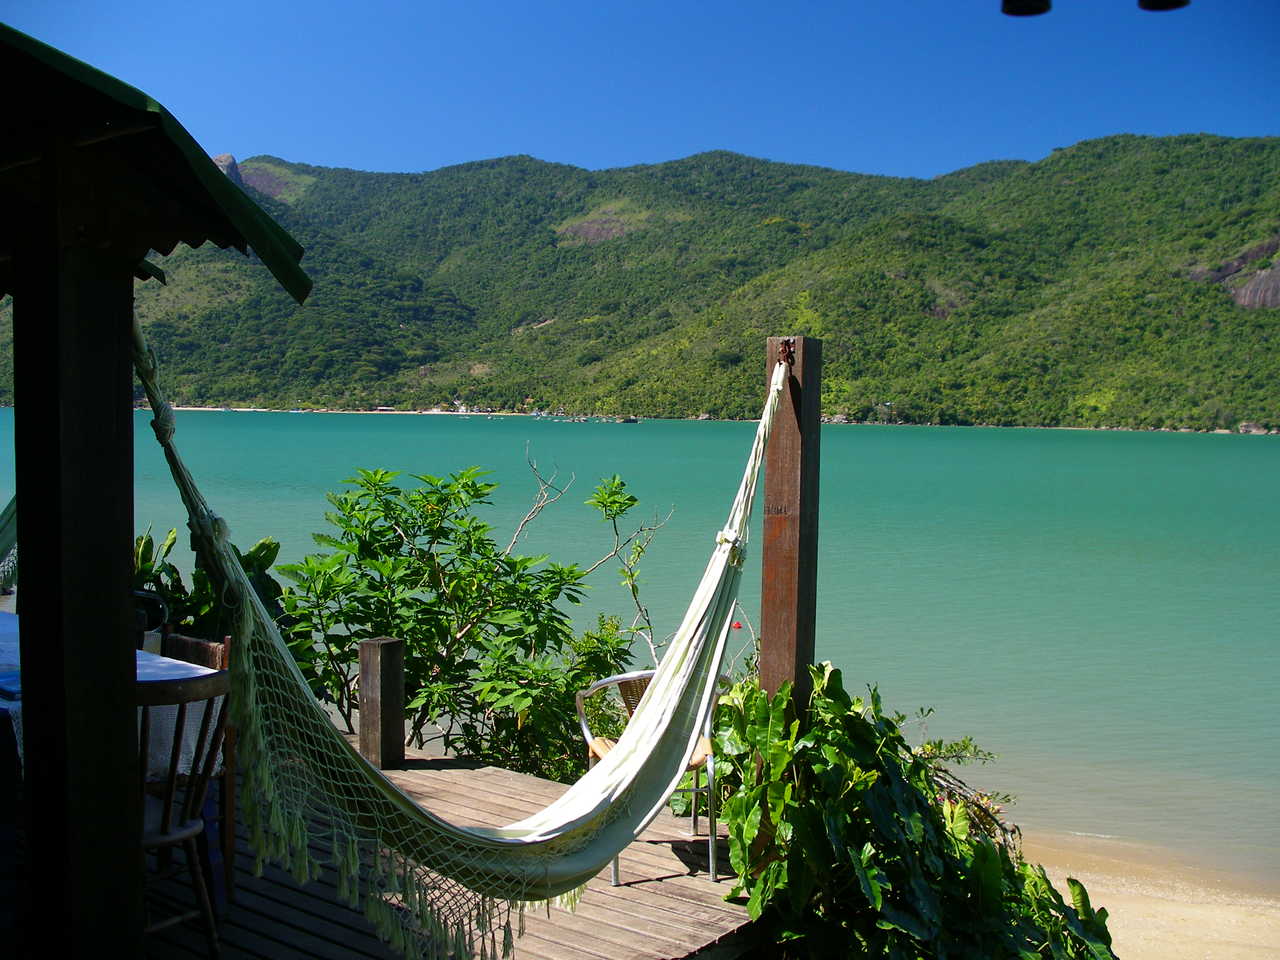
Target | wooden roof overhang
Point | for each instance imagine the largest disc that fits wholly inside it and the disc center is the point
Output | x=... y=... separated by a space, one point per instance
x=93 y=175
x=148 y=182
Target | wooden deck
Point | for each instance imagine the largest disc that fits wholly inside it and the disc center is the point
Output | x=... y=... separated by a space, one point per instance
x=666 y=906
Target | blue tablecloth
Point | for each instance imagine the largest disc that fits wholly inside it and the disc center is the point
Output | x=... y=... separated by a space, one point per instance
x=8 y=641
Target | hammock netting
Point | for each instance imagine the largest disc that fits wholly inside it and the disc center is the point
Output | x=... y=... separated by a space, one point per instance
x=9 y=543
x=430 y=888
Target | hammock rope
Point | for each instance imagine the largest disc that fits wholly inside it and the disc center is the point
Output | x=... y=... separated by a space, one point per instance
x=433 y=889
x=9 y=543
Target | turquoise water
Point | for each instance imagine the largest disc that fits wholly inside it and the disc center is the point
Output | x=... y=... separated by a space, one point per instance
x=1100 y=609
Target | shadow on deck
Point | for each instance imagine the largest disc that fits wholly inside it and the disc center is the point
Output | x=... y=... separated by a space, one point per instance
x=665 y=907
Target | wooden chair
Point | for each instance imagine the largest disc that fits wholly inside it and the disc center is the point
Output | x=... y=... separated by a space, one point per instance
x=207 y=653
x=173 y=804
x=630 y=688
x=217 y=656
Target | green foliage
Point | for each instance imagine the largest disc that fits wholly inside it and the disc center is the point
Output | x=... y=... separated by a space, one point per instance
x=153 y=571
x=491 y=662
x=199 y=610
x=848 y=843
x=611 y=498
x=1008 y=293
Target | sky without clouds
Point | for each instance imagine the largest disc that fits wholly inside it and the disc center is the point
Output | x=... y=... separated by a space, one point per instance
x=901 y=87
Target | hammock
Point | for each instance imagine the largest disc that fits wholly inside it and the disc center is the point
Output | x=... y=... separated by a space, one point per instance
x=430 y=888
x=9 y=543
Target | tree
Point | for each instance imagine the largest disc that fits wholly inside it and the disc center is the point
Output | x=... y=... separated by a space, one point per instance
x=491 y=660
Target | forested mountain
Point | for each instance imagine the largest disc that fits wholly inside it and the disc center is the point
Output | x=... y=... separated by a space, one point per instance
x=1126 y=281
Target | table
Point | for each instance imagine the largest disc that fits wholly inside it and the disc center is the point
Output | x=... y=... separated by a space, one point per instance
x=150 y=666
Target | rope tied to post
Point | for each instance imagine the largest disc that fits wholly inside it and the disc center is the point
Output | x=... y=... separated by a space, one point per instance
x=787 y=351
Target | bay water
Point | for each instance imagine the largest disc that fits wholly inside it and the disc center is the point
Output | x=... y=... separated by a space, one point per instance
x=1100 y=609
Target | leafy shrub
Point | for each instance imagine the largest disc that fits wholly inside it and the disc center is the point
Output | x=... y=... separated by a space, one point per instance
x=199 y=611
x=491 y=661
x=847 y=842
x=724 y=358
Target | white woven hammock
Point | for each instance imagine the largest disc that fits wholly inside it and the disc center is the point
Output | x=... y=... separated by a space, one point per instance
x=433 y=889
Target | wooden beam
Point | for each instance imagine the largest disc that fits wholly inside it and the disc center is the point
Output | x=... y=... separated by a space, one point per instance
x=73 y=439
x=788 y=594
x=105 y=135
x=382 y=702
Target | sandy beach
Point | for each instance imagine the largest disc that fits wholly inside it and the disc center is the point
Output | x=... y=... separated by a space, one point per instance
x=1161 y=908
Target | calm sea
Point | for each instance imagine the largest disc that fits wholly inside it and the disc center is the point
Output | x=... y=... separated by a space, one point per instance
x=1100 y=609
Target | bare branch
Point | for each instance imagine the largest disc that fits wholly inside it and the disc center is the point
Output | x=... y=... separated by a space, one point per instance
x=985 y=810
x=742 y=613
x=646 y=631
x=541 y=500
x=643 y=535
x=754 y=643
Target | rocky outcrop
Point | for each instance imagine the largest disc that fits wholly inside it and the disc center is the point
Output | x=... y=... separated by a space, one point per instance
x=227 y=164
x=604 y=223
x=1260 y=290
x=266 y=181
x=604 y=227
x=1232 y=267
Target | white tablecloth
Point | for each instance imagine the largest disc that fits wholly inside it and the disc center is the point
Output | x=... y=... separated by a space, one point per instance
x=150 y=666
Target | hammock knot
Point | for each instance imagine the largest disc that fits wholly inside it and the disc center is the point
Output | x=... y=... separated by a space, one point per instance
x=219 y=529
x=210 y=527
x=163 y=424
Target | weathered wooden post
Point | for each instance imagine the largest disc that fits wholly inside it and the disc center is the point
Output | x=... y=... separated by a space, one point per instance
x=788 y=594
x=73 y=441
x=382 y=702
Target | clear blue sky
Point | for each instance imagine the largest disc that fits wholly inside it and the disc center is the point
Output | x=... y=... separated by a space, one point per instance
x=902 y=87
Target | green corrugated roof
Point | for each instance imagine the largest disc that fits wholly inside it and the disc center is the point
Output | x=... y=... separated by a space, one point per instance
x=249 y=224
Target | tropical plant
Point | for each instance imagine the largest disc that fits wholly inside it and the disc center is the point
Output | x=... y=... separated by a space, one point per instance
x=152 y=570
x=849 y=842
x=491 y=660
x=200 y=610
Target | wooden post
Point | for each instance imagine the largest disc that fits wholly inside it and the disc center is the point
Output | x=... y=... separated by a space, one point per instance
x=382 y=702
x=788 y=594
x=73 y=440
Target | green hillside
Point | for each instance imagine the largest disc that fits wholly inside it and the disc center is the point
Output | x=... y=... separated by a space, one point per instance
x=1097 y=287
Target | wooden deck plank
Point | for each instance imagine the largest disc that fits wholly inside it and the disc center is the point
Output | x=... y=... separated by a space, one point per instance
x=502 y=796
x=490 y=797
x=627 y=899
x=666 y=854
x=628 y=911
x=605 y=936
x=685 y=895
x=271 y=897
x=275 y=919
x=552 y=945
x=666 y=906
x=636 y=895
x=664 y=850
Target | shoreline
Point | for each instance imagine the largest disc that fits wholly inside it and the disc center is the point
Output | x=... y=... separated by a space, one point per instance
x=1161 y=905
x=826 y=421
